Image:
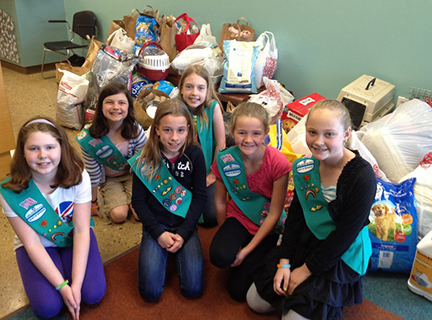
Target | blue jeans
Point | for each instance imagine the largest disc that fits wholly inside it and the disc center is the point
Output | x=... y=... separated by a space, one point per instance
x=153 y=262
x=209 y=213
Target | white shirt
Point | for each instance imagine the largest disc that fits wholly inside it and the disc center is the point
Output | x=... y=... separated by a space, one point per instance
x=61 y=200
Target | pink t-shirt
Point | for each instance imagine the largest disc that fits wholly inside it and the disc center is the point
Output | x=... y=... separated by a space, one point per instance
x=274 y=165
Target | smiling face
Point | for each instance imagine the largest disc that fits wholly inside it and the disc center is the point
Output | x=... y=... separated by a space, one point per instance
x=172 y=132
x=325 y=135
x=249 y=134
x=115 y=107
x=42 y=153
x=194 y=90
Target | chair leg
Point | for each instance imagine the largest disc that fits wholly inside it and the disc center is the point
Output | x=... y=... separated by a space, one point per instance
x=42 y=67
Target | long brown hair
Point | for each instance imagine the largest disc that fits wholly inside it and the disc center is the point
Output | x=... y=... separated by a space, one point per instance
x=100 y=127
x=150 y=157
x=210 y=94
x=70 y=167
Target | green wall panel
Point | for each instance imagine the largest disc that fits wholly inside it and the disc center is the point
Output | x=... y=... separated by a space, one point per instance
x=323 y=45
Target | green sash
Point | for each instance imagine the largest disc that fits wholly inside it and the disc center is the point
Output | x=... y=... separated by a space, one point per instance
x=102 y=150
x=31 y=206
x=308 y=188
x=255 y=206
x=205 y=136
x=166 y=189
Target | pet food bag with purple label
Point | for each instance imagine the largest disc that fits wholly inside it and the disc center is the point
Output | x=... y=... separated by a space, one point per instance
x=393 y=226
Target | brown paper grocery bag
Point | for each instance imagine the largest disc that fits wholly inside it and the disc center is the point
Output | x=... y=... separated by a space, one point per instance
x=130 y=20
x=115 y=25
x=167 y=37
x=233 y=31
x=92 y=52
x=66 y=65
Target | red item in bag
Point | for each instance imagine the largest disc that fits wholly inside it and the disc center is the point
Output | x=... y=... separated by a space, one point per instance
x=183 y=39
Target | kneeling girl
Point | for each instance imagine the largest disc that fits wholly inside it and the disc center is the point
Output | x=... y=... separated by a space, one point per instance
x=168 y=170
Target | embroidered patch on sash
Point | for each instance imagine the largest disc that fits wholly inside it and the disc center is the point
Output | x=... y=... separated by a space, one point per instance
x=104 y=152
x=82 y=135
x=94 y=142
x=226 y=158
x=27 y=203
x=305 y=165
x=232 y=170
x=35 y=212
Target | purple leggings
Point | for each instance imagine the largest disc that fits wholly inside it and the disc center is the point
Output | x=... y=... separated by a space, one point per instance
x=45 y=300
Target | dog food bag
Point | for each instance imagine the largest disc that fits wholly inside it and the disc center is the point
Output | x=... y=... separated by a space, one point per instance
x=393 y=226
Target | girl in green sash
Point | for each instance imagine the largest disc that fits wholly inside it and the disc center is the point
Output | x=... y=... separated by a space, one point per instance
x=197 y=92
x=256 y=178
x=169 y=195
x=113 y=137
x=47 y=201
x=325 y=248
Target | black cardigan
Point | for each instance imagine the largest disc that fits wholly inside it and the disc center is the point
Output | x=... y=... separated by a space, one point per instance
x=190 y=171
x=356 y=188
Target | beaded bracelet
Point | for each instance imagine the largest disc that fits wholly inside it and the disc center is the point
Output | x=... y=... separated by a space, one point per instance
x=287 y=266
x=94 y=201
x=62 y=284
x=95 y=207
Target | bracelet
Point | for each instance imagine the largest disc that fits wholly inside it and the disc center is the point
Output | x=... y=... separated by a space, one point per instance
x=95 y=207
x=287 y=266
x=62 y=284
x=94 y=201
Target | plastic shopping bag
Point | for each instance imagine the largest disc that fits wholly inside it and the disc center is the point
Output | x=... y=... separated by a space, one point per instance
x=205 y=35
x=400 y=140
x=423 y=194
x=110 y=65
x=267 y=59
x=120 y=40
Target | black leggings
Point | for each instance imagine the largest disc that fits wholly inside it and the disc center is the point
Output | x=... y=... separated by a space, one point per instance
x=228 y=240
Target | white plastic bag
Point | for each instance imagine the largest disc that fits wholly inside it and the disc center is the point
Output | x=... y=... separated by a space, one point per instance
x=297 y=137
x=354 y=143
x=205 y=35
x=71 y=93
x=204 y=53
x=274 y=98
x=400 y=140
x=120 y=40
x=423 y=194
x=190 y=56
x=267 y=59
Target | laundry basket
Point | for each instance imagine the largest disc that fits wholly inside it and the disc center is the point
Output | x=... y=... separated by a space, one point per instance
x=154 y=62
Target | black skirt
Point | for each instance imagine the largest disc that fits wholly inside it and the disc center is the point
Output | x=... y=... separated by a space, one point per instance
x=318 y=297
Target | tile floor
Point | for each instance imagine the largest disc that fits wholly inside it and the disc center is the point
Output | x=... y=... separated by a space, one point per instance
x=28 y=96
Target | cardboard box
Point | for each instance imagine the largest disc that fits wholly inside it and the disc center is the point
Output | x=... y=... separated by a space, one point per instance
x=295 y=111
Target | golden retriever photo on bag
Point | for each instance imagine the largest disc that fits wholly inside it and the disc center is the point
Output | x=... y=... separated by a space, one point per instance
x=384 y=221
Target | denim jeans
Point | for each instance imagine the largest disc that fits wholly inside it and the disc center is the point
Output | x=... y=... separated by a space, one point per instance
x=153 y=262
x=209 y=214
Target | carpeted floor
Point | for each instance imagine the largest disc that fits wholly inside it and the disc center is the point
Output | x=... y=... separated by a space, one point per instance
x=123 y=300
